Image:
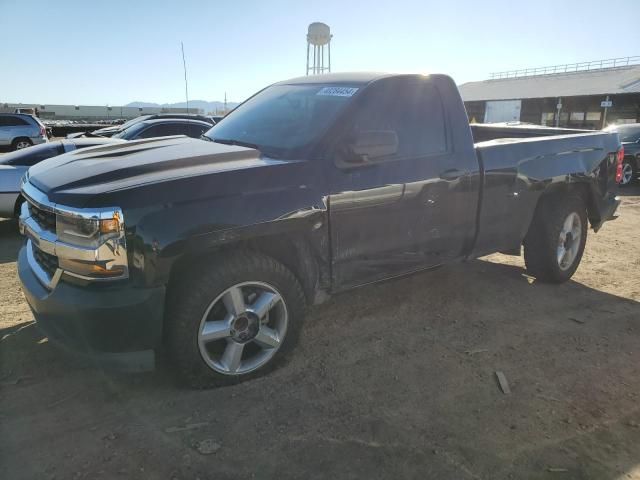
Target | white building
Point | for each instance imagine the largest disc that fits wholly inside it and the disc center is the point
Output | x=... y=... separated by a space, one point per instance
x=91 y=112
x=580 y=95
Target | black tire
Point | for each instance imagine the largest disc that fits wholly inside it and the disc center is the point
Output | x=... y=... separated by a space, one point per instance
x=18 y=142
x=18 y=207
x=630 y=163
x=542 y=241
x=194 y=293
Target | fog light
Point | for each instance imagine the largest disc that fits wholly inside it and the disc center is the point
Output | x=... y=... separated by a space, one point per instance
x=90 y=269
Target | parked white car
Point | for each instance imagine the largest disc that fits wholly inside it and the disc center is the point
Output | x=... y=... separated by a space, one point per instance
x=14 y=165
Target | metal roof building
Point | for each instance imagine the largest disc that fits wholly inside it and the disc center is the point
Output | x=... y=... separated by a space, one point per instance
x=90 y=112
x=585 y=95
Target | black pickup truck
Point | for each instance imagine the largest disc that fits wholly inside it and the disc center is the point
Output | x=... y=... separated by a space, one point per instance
x=212 y=248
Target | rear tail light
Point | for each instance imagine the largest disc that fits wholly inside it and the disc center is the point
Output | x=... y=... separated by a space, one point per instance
x=43 y=131
x=619 y=164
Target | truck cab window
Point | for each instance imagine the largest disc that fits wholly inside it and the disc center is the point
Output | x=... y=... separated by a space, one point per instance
x=413 y=110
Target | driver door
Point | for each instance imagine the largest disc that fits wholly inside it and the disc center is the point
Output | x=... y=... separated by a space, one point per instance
x=389 y=216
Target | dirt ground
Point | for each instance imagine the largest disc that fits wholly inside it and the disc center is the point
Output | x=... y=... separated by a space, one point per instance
x=395 y=380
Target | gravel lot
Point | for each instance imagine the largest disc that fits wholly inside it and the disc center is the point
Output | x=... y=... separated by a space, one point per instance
x=395 y=380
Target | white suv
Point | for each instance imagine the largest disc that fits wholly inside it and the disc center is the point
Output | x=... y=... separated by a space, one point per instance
x=18 y=130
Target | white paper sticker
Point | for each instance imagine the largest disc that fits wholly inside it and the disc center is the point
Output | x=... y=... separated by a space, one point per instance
x=338 y=91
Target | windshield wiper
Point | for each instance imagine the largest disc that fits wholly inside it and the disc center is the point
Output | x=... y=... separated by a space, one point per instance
x=238 y=143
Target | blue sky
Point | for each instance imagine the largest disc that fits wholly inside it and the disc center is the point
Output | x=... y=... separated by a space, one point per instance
x=113 y=52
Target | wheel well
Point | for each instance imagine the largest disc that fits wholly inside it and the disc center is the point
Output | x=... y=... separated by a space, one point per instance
x=293 y=252
x=580 y=189
x=17 y=139
x=16 y=208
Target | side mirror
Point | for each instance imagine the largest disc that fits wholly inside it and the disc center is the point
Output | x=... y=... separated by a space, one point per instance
x=370 y=145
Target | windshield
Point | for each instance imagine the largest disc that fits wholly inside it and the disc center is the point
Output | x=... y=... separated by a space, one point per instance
x=628 y=134
x=131 y=132
x=284 y=120
x=133 y=121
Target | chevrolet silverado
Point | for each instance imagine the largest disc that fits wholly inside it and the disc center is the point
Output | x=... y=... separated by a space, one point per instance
x=211 y=249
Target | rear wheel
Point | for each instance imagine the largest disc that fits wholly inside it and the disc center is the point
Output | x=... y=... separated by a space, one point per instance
x=20 y=143
x=556 y=239
x=629 y=173
x=234 y=319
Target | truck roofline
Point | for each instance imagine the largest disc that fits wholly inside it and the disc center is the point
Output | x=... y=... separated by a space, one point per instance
x=351 y=77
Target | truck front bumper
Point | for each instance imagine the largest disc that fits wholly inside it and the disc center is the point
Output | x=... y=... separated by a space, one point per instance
x=116 y=327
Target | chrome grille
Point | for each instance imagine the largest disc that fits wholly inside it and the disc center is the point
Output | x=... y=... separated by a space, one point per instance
x=49 y=263
x=44 y=218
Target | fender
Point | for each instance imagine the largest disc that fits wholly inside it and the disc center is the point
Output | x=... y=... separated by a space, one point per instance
x=259 y=221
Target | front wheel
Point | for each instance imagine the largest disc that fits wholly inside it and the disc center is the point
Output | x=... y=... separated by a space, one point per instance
x=233 y=319
x=556 y=239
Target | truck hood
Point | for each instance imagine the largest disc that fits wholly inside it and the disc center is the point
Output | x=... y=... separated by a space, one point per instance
x=74 y=177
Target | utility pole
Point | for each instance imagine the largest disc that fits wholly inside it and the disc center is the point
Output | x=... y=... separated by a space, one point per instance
x=184 y=65
x=604 y=116
x=559 y=109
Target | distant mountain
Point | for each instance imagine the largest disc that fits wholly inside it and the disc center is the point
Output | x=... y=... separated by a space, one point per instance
x=202 y=104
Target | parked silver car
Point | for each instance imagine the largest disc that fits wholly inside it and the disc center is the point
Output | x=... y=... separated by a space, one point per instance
x=18 y=130
x=14 y=165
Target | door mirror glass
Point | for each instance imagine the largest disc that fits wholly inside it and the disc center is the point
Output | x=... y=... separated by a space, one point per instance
x=371 y=145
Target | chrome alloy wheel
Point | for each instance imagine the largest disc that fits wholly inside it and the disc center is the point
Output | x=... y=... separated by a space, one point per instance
x=22 y=144
x=627 y=173
x=242 y=329
x=569 y=241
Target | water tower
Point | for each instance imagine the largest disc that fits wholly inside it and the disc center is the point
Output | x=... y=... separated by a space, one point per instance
x=318 y=36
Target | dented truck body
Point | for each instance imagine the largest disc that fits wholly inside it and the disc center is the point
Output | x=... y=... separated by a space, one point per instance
x=334 y=219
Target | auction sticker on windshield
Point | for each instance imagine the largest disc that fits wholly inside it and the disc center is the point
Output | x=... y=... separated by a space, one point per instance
x=338 y=91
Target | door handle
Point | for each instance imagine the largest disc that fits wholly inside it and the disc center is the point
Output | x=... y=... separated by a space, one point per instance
x=452 y=174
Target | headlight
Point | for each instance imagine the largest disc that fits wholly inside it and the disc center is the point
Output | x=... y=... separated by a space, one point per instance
x=87 y=232
x=94 y=244
x=85 y=243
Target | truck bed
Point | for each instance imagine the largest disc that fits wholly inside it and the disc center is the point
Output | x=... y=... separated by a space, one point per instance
x=483 y=132
x=516 y=170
